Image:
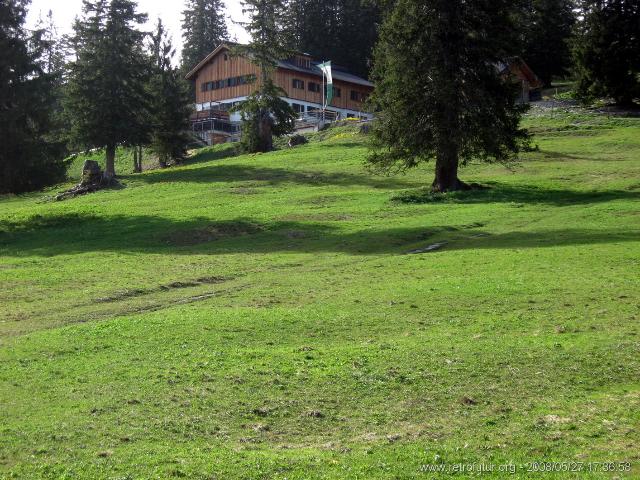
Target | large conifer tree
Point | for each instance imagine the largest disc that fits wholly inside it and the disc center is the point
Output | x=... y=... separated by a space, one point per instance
x=106 y=93
x=607 y=51
x=29 y=157
x=203 y=29
x=264 y=113
x=438 y=93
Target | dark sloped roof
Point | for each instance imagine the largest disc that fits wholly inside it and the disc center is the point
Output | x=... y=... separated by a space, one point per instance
x=337 y=74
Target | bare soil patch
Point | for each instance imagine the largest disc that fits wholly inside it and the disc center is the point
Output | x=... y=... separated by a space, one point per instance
x=212 y=232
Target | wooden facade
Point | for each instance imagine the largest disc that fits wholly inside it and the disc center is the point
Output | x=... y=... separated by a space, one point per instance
x=221 y=66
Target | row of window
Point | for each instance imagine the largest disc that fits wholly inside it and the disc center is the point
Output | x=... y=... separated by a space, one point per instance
x=296 y=83
x=356 y=96
x=228 y=82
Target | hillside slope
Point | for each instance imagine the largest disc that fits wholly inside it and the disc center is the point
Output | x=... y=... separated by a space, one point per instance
x=260 y=317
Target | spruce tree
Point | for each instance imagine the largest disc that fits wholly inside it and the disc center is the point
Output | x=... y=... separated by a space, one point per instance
x=438 y=93
x=106 y=97
x=29 y=156
x=547 y=26
x=607 y=51
x=264 y=113
x=203 y=29
x=169 y=107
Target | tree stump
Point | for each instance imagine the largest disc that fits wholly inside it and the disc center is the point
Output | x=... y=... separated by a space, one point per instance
x=91 y=173
x=92 y=179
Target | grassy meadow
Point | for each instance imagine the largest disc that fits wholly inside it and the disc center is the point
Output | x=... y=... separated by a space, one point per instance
x=261 y=317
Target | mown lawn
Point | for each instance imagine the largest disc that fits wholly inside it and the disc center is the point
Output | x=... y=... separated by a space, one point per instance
x=258 y=317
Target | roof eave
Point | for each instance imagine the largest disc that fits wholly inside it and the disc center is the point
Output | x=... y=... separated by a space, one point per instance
x=207 y=59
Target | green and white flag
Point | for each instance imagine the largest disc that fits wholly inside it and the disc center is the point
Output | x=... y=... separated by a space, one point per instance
x=326 y=69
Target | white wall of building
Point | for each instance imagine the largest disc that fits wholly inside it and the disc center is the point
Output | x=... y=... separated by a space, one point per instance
x=308 y=106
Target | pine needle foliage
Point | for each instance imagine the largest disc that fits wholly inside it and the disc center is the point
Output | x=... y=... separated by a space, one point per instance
x=203 y=29
x=547 y=27
x=29 y=155
x=439 y=94
x=607 y=51
x=264 y=113
x=106 y=97
x=169 y=107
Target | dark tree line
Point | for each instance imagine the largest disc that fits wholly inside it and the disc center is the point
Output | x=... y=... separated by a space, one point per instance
x=109 y=84
x=203 y=29
x=546 y=28
x=607 y=50
x=343 y=31
x=29 y=152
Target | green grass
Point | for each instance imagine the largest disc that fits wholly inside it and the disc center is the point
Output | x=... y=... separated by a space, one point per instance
x=258 y=317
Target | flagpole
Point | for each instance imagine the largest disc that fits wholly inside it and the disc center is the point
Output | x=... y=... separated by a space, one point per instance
x=323 y=105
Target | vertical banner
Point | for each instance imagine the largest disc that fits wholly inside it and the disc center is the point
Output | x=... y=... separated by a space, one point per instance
x=326 y=70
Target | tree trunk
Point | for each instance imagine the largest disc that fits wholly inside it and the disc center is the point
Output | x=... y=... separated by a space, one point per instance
x=109 y=168
x=265 y=131
x=446 y=179
x=135 y=160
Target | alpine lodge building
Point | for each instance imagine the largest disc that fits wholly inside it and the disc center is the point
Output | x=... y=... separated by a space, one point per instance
x=223 y=80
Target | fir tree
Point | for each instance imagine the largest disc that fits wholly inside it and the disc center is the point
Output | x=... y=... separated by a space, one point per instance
x=169 y=102
x=547 y=27
x=264 y=113
x=29 y=157
x=607 y=51
x=203 y=29
x=106 y=97
x=438 y=93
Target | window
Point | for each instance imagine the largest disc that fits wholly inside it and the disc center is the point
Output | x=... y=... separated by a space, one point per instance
x=226 y=57
x=297 y=107
x=297 y=83
x=337 y=92
x=357 y=96
x=314 y=87
x=302 y=62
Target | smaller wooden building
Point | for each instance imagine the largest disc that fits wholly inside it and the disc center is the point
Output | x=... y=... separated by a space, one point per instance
x=519 y=72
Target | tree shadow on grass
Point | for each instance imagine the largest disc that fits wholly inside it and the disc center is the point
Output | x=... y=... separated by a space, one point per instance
x=209 y=154
x=495 y=192
x=551 y=155
x=268 y=175
x=80 y=233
